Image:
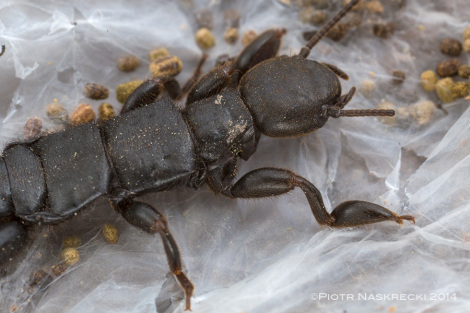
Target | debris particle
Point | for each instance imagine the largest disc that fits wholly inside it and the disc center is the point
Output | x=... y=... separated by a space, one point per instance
x=59 y=269
x=451 y=47
x=128 y=63
x=429 y=80
x=398 y=77
x=110 y=233
x=72 y=242
x=466 y=34
x=158 y=53
x=466 y=45
x=375 y=7
x=460 y=90
x=383 y=30
x=337 y=32
x=367 y=87
x=231 y=35
x=83 y=113
x=166 y=67
x=448 y=68
x=105 y=112
x=70 y=256
x=95 y=91
x=464 y=71
x=32 y=128
x=248 y=37
x=205 y=39
x=422 y=112
x=444 y=89
x=56 y=112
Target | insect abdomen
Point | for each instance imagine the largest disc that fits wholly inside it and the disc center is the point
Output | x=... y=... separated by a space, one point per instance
x=56 y=175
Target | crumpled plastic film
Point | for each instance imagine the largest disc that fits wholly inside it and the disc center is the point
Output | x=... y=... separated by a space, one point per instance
x=265 y=255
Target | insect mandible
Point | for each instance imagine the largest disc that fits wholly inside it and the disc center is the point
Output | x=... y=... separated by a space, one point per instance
x=152 y=146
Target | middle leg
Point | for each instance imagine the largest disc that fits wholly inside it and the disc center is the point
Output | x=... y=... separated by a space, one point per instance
x=148 y=219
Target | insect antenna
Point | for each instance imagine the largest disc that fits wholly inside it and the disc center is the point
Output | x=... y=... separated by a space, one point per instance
x=305 y=51
x=367 y=112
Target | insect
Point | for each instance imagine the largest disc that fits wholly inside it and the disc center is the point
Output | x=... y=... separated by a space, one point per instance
x=152 y=146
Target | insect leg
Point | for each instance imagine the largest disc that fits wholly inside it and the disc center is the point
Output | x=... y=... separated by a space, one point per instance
x=268 y=182
x=211 y=83
x=340 y=73
x=145 y=94
x=149 y=91
x=193 y=79
x=13 y=236
x=145 y=217
x=263 y=47
x=222 y=177
x=173 y=88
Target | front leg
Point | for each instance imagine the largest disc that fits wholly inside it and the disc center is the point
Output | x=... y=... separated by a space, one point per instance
x=264 y=47
x=145 y=217
x=268 y=182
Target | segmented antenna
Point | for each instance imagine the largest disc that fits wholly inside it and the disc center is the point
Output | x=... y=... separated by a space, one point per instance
x=357 y=113
x=305 y=51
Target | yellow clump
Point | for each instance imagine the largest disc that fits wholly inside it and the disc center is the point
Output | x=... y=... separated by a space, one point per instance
x=166 y=67
x=429 y=80
x=70 y=256
x=205 y=39
x=105 y=111
x=72 y=242
x=158 y=53
x=444 y=89
x=110 y=233
x=123 y=91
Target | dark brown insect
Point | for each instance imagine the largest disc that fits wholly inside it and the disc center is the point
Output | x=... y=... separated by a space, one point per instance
x=153 y=146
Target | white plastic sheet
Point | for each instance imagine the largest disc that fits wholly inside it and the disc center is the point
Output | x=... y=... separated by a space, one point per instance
x=267 y=255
